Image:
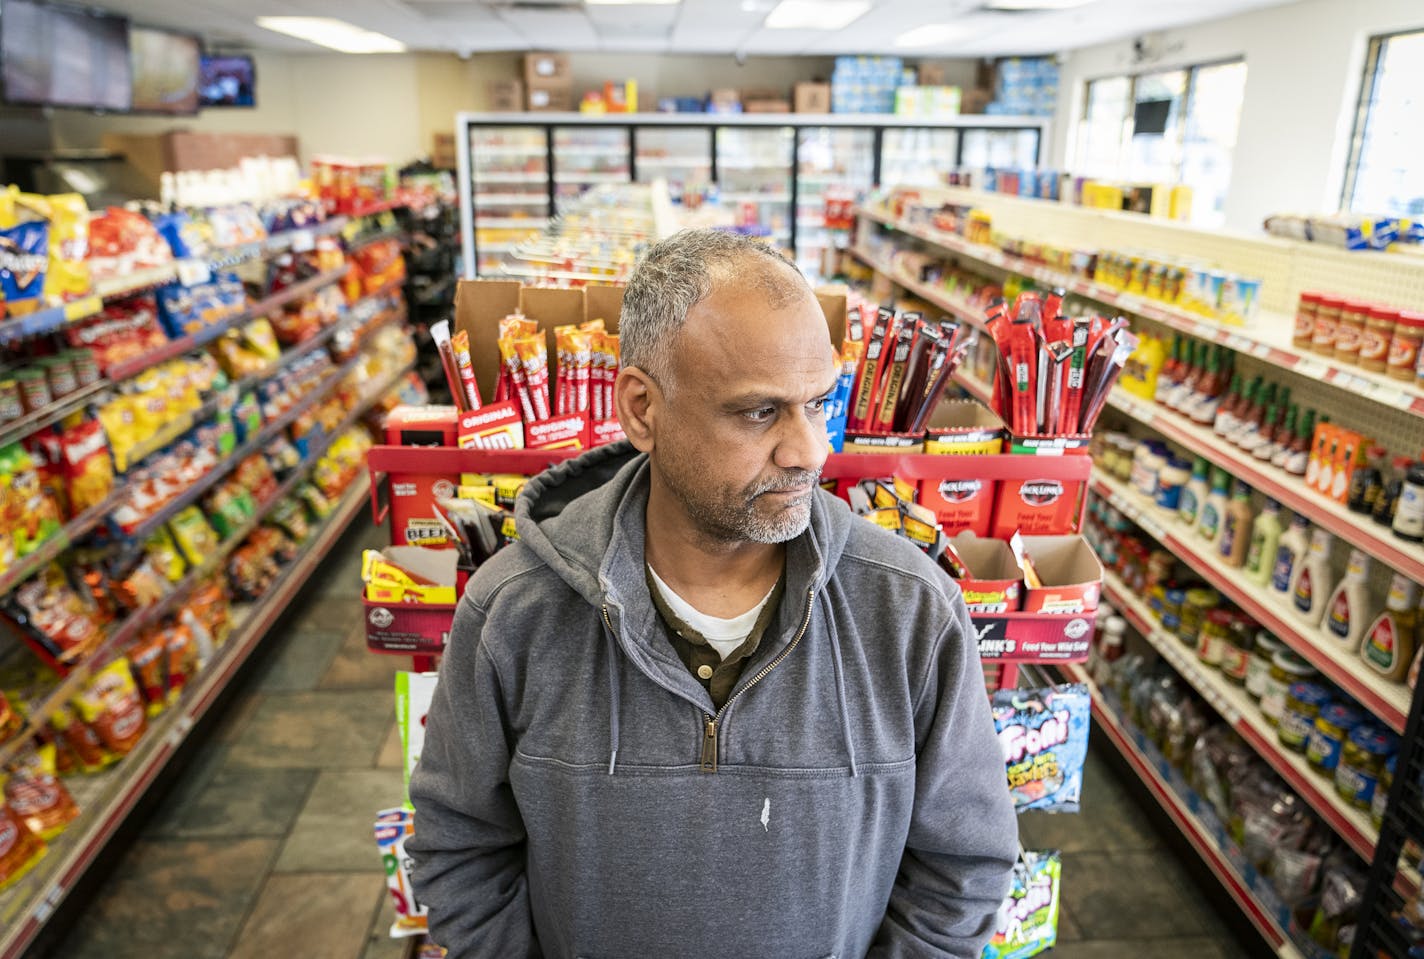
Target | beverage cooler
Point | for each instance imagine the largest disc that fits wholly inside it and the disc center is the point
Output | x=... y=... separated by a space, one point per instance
x=792 y=178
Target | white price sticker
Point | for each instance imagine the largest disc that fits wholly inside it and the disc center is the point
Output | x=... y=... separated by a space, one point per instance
x=1240 y=343
x=1311 y=368
x=192 y=272
x=303 y=241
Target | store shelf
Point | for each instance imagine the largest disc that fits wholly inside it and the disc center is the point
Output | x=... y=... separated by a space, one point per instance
x=592 y=176
x=77 y=528
x=367 y=239
x=510 y=223
x=374 y=207
x=589 y=150
x=304 y=239
x=503 y=177
x=56 y=411
x=1267 y=338
x=755 y=197
x=1243 y=714
x=261 y=308
x=49 y=320
x=111 y=796
x=1209 y=840
x=511 y=199
x=961 y=309
x=135 y=281
x=1290 y=491
x=675 y=162
x=1387 y=700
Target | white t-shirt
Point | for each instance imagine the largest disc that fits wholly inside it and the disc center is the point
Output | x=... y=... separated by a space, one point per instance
x=723 y=635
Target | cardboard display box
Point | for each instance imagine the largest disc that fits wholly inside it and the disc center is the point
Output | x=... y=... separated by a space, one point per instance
x=443 y=155
x=995 y=583
x=547 y=68
x=811 y=97
x=550 y=98
x=506 y=96
x=1072 y=576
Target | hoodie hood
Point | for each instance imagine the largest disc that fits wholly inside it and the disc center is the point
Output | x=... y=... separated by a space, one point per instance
x=586 y=519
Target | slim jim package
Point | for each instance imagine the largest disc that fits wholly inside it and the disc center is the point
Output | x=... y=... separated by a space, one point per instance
x=902 y=368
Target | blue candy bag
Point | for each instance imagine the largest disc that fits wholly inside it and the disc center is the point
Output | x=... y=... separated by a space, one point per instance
x=1044 y=736
x=24 y=258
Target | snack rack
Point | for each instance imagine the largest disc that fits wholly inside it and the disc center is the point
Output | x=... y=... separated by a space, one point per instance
x=1006 y=640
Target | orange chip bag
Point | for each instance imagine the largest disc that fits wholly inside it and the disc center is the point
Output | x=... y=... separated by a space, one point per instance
x=81 y=739
x=149 y=660
x=20 y=848
x=182 y=658
x=112 y=705
x=34 y=792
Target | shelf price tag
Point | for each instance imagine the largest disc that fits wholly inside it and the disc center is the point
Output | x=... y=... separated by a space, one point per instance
x=303 y=241
x=192 y=272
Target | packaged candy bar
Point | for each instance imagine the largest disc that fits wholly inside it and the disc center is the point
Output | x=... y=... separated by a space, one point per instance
x=1044 y=736
x=392 y=828
x=112 y=706
x=34 y=793
x=1027 y=923
x=20 y=848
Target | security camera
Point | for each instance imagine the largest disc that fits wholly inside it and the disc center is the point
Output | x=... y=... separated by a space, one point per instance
x=741 y=57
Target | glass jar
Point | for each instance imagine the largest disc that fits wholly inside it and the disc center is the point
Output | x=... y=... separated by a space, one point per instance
x=1382 y=788
x=1236 y=655
x=1362 y=762
x=1214 y=636
x=1258 y=668
x=1327 y=738
x=1303 y=705
x=1327 y=320
x=1172 y=599
x=1305 y=311
x=1379 y=331
x=1287 y=669
x=1195 y=605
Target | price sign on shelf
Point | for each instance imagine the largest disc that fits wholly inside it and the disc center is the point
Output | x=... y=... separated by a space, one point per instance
x=192 y=272
x=303 y=241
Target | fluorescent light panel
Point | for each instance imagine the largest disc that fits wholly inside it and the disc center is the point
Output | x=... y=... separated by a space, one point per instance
x=931 y=35
x=815 y=14
x=332 y=33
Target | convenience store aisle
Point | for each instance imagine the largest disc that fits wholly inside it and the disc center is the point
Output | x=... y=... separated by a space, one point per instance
x=263 y=845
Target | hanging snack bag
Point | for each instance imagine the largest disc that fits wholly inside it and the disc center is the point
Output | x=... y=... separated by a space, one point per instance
x=81 y=739
x=1044 y=736
x=148 y=658
x=68 y=273
x=194 y=536
x=88 y=470
x=413 y=694
x=393 y=826
x=1027 y=923
x=24 y=256
x=112 y=705
x=55 y=615
x=33 y=791
x=20 y=848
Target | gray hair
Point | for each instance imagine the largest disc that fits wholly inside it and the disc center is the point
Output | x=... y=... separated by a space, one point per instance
x=679 y=272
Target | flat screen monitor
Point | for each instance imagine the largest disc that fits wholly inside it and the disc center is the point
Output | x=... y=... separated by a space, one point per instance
x=53 y=55
x=227 y=81
x=165 y=70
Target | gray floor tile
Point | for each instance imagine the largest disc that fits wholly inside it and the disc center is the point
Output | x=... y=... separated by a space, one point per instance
x=1133 y=895
x=379 y=944
x=1189 y=948
x=312 y=916
x=356 y=667
x=1068 y=930
x=325 y=613
x=334 y=832
x=1110 y=818
x=391 y=756
x=241 y=802
x=331 y=728
x=184 y=900
x=189 y=783
x=237 y=713
x=299 y=661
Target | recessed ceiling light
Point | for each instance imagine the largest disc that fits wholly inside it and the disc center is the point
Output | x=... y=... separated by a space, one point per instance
x=815 y=14
x=336 y=34
x=1035 y=4
x=931 y=35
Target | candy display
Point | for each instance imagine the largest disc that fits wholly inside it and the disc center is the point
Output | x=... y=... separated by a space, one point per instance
x=902 y=364
x=1044 y=735
x=1027 y=923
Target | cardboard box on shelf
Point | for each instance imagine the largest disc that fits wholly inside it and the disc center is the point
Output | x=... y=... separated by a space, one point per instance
x=766 y=106
x=995 y=582
x=724 y=100
x=547 y=99
x=1071 y=574
x=443 y=155
x=506 y=96
x=975 y=100
x=547 y=68
x=812 y=97
x=931 y=75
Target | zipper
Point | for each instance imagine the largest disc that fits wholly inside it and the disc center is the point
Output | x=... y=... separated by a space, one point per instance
x=709 y=729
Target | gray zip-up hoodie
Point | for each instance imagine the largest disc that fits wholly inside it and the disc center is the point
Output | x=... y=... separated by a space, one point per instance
x=578 y=796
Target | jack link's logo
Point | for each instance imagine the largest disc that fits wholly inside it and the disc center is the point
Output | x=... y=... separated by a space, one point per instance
x=959 y=491
x=1041 y=492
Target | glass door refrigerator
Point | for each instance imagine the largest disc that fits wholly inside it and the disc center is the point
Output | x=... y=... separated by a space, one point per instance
x=509 y=181
x=918 y=156
x=835 y=168
x=588 y=156
x=754 y=169
x=1000 y=150
x=680 y=155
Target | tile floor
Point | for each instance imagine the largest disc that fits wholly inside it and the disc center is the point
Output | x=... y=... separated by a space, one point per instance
x=263 y=846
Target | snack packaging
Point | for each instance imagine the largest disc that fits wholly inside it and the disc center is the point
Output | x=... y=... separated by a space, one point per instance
x=34 y=793
x=24 y=259
x=182 y=658
x=20 y=848
x=88 y=470
x=55 y=615
x=1027 y=923
x=195 y=538
x=413 y=694
x=67 y=277
x=112 y=705
x=148 y=658
x=81 y=739
x=392 y=828
x=464 y=366
x=1044 y=736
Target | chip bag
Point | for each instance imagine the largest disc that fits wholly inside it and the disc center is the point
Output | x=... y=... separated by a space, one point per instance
x=20 y=848
x=112 y=706
x=1027 y=922
x=194 y=536
x=148 y=658
x=24 y=256
x=393 y=827
x=33 y=791
x=81 y=739
x=68 y=274
x=88 y=471
x=1044 y=737
x=55 y=615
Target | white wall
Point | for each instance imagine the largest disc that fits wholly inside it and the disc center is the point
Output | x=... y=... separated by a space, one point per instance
x=1304 y=66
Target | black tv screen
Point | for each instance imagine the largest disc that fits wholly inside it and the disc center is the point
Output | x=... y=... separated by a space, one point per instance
x=227 y=81
x=53 y=55
x=165 y=70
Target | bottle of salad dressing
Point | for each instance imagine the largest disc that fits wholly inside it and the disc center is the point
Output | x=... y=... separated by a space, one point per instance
x=1388 y=646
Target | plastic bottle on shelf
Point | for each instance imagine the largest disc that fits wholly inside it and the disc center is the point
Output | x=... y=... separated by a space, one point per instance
x=1322 y=455
x=1367 y=482
x=1280 y=449
x=1383 y=513
x=1351 y=449
x=1209 y=389
x=1227 y=412
x=1236 y=527
x=1194 y=493
x=1290 y=550
x=1389 y=643
x=1298 y=457
x=1247 y=434
x=1142 y=369
x=1172 y=370
x=1348 y=613
x=1213 y=509
x=1241 y=416
x=1196 y=368
x=1258 y=444
x=1265 y=535
x=1408 y=521
x=1311 y=583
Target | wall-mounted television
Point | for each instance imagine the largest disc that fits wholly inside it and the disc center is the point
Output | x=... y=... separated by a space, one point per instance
x=227 y=81
x=164 y=65
x=53 y=55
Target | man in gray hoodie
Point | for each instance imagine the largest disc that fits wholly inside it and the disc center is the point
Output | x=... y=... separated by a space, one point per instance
x=700 y=709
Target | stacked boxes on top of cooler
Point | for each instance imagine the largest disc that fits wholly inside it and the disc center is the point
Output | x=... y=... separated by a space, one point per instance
x=866 y=84
x=1025 y=87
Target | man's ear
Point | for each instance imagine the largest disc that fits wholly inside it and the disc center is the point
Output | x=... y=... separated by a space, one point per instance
x=638 y=400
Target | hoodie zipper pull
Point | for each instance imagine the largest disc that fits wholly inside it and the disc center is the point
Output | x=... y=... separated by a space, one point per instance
x=709 y=746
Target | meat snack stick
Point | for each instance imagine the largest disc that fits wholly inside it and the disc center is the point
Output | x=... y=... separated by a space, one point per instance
x=465 y=369
x=440 y=335
x=611 y=357
x=534 y=360
x=514 y=371
x=875 y=346
x=1121 y=344
x=918 y=376
x=1023 y=370
x=895 y=374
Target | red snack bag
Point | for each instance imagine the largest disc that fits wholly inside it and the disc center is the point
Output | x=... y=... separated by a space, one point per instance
x=33 y=791
x=55 y=615
x=148 y=658
x=20 y=848
x=112 y=705
x=182 y=658
x=81 y=739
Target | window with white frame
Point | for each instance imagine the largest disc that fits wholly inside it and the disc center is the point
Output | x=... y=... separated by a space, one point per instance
x=1169 y=126
x=1386 y=171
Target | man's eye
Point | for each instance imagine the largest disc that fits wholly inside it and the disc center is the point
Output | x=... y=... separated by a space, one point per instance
x=818 y=405
x=761 y=414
